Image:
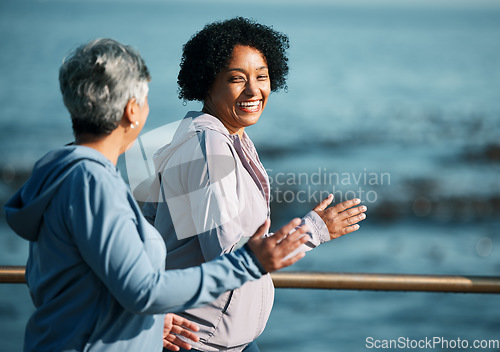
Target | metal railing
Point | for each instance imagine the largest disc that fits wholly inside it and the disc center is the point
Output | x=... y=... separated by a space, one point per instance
x=349 y=281
x=387 y=282
x=12 y=275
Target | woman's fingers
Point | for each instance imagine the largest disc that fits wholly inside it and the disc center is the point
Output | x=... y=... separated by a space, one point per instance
x=344 y=212
x=285 y=230
x=348 y=229
x=343 y=218
x=174 y=343
x=177 y=325
x=171 y=347
x=294 y=238
x=324 y=203
x=346 y=205
x=353 y=215
x=184 y=327
x=288 y=246
x=271 y=251
x=261 y=231
x=183 y=322
x=290 y=243
x=355 y=211
x=185 y=332
x=169 y=342
x=289 y=261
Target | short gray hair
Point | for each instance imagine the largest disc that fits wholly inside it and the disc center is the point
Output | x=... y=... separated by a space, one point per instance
x=97 y=80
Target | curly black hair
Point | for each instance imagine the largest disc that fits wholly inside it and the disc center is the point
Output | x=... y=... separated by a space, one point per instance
x=209 y=51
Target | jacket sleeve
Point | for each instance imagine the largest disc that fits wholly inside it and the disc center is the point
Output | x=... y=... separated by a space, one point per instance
x=106 y=234
x=318 y=233
x=317 y=230
x=204 y=188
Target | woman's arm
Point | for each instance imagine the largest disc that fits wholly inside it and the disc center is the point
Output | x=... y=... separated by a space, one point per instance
x=105 y=230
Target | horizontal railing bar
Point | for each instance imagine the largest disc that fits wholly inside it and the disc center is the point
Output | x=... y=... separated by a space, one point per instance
x=350 y=281
x=387 y=282
x=12 y=275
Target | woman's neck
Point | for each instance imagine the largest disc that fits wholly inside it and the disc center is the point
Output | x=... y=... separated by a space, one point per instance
x=106 y=145
x=232 y=130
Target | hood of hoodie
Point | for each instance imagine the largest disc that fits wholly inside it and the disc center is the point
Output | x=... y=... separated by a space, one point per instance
x=25 y=210
x=191 y=124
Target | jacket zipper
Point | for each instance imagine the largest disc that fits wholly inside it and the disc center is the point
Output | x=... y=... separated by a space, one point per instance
x=228 y=302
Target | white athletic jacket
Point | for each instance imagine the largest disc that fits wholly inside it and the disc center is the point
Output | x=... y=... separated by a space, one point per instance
x=210 y=195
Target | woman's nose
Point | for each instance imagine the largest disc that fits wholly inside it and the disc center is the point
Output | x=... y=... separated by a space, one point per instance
x=251 y=88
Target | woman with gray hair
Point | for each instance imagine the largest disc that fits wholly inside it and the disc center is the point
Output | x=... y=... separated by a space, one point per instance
x=96 y=267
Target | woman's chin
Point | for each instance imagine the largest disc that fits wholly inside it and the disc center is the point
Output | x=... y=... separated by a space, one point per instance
x=249 y=119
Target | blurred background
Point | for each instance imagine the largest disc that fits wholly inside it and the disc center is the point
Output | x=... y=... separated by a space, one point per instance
x=395 y=102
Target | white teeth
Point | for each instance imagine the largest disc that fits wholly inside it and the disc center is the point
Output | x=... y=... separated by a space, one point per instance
x=247 y=104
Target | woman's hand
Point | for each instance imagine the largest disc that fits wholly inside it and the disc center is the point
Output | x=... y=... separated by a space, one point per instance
x=176 y=325
x=271 y=251
x=342 y=218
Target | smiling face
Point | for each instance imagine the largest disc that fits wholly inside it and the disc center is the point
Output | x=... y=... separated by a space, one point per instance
x=240 y=91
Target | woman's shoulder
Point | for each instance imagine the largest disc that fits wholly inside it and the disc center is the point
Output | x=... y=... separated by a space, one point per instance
x=91 y=169
x=72 y=164
x=216 y=143
x=196 y=139
x=92 y=184
x=205 y=142
x=96 y=173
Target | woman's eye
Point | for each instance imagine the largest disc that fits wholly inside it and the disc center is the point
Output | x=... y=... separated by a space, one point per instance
x=262 y=77
x=236 y=79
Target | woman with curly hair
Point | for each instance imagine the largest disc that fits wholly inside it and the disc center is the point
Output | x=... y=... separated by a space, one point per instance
x=212 y=191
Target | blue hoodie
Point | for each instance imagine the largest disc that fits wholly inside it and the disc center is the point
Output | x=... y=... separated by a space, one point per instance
x=96 y=267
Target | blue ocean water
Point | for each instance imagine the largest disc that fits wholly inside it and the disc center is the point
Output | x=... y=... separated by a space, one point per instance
x=395 y=102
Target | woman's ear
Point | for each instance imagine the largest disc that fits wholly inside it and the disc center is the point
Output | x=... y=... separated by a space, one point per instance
x=131 y=109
